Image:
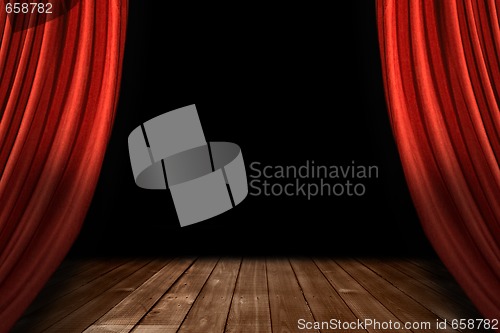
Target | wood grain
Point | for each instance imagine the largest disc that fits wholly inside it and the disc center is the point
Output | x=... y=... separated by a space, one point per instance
x=209 y=312
x=251 y=295
x=286 y=298
x=323 y=299
x=86 y=315
x=137 y=304
x=249 y=311
x=442 y=283
x=72 y=278
x=429 y=298
x=42 y=319
x=170 y=311
x=389 y=296
x=364 y=305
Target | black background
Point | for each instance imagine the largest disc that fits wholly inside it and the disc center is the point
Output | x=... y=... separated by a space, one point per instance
x=287 y=84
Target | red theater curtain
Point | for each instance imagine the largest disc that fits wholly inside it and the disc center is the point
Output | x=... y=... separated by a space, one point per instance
x=58 y=93
x=442 y=80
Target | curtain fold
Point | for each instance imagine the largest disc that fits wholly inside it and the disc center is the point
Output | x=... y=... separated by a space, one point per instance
x=59 y=83
x=440 y=62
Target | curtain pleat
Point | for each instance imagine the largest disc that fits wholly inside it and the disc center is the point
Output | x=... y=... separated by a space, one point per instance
x=59 y=86
x=440 y=63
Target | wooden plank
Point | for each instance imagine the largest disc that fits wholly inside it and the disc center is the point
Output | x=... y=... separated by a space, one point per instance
x=68 y=269
x=109 y=328
x=441 y=274
x=323 y=299
x=49 y=315
x=244 y=296
x=152 y=329
x=210 y=310
x=446 y=286
x=140 y=328
x=433 y=266
x=133 y=307
x=287 y=302
x=404 y=308
x=169 y=312
x=442 y=307
x=365 y=306
x=250 y=307
x=78 y=277
x=86 y=315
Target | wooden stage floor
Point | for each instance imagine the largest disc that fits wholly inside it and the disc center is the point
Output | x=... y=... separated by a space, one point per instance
x=262 y=295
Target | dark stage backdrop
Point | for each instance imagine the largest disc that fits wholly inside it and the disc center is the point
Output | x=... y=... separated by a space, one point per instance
x=287 y=84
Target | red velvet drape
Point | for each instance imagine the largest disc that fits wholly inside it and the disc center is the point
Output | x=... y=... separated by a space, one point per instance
x=441 y=69
x=58 y=93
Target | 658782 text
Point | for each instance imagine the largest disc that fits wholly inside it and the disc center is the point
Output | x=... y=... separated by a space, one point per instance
x=28 y=8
